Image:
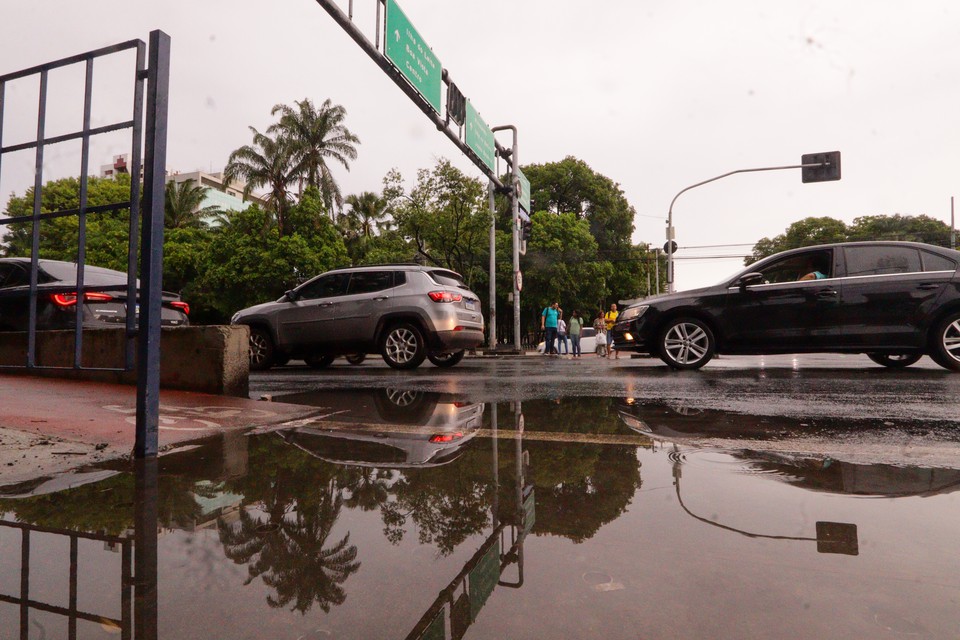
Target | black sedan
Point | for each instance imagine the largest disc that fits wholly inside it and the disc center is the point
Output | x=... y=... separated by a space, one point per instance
x=894 y=301
x=104 y=301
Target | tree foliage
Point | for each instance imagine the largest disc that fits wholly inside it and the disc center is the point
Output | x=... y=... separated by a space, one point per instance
x=825 y=230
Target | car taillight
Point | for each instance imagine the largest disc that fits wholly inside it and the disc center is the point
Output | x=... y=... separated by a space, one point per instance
x=64 y=300
x=445 y=296
x=443 y=438
x=183 y=306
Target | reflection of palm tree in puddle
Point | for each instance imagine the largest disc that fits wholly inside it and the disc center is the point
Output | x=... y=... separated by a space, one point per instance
x=291 y=555
x=368 y=487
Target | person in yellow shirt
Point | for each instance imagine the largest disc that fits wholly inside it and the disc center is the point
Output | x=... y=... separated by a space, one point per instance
x=610 y=319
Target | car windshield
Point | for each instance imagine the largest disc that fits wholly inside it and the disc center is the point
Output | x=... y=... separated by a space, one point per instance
x=448 y=278
x=67 y=272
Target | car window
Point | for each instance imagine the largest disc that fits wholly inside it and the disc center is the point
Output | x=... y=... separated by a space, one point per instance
x=324 y=287
x=399 y=278
x=935 y=262
x=802 y=266
x=880 y=260
x=370 y=281
x=12 y=275
x=448 y=278
x=588 y=332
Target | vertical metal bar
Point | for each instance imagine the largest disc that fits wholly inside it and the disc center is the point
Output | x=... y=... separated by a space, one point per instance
x=82 y=221
x=145 y=514
x=350 y=9
x=515 y=216
x=493 y=266
x=35 y=251
x=3 y=89
x=24 y=584
x=126 y=591
x=72 y=623
x=496 y=464
x=953 y=228
x=151 y=243
x=376 y=37
x=134 y=229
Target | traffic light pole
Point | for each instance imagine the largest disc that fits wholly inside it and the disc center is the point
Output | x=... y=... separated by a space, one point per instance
x=491 y=193
x=828 y=165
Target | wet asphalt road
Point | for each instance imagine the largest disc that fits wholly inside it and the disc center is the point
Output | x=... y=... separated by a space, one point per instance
x=815 y=386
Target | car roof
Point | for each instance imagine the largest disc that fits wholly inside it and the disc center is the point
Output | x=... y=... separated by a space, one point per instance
x=399 y=266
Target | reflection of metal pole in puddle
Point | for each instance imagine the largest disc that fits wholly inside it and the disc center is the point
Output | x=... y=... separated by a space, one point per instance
x=145 y=511
x=496 y=465
x=832 y=537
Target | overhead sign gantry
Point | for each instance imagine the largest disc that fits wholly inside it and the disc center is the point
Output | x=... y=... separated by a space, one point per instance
x=413 y=66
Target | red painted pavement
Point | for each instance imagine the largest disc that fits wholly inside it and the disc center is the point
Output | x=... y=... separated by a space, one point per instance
x=98 y=413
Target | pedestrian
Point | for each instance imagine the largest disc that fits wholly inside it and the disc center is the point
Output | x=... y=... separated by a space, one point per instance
x=574 y=328
x=610 y=319
x=548 y=323
x=562 y=335
x=601 y=328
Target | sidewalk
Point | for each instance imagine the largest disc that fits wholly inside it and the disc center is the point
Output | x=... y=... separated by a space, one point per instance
x=53 y=425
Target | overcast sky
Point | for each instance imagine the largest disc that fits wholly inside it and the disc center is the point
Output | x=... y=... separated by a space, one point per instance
x=655 y=95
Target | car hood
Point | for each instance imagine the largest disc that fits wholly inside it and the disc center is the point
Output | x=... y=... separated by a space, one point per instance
x=255 y=309
x=672 y=297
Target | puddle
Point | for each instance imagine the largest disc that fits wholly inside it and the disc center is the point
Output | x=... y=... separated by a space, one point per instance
x=418 y=515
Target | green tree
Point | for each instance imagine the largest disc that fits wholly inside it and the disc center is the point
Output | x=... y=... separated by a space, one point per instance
x=182 y=205
x=445 y=217
x=267 y=163
x=803 y=233
x=248 y=261
x=316 y=136
x=824 y=230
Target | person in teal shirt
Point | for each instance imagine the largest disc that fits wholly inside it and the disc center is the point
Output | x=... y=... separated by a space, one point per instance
x=548 y=322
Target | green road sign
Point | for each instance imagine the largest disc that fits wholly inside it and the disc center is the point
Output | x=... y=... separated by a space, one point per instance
x=524 y=191
x=479 y=137
x=411 y=55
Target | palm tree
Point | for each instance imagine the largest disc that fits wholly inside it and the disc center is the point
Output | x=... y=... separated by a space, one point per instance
x=317 y=135
x=181 y=207
x=367 y=212
x=268 y=162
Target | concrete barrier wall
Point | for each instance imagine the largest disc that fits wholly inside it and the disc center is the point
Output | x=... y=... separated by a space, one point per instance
x=211 y=359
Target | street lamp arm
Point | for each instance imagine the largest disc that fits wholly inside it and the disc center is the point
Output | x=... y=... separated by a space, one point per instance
x=726 y=175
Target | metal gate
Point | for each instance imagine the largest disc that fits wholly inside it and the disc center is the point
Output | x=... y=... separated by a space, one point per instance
x=148 y=136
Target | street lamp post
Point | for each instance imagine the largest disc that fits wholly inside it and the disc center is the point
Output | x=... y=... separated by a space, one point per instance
x=817 y=167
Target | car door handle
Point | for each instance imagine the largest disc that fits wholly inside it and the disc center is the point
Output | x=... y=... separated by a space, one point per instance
x=827 y=294
x=927 y=286
x=381 y=298
x=323 y=305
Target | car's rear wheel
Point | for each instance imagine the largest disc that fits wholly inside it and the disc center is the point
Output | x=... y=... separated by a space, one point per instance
x=446 y=359
x=945 y=342
x=404 y=346
x=356 y=358
x=318 y=360
x=262 y=351
x=895 y=360
x=686 y=343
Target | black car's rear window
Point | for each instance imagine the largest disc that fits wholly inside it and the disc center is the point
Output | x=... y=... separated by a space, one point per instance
x=881 y=260
x=448 y=278
x=67 y=272
x=935 y=262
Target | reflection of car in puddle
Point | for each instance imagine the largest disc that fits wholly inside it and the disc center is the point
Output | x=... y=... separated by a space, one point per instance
x=385 y=427
x=762 y=445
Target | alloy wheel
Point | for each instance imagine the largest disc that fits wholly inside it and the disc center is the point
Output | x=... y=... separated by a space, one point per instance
x=950 y=339
x=687 y=344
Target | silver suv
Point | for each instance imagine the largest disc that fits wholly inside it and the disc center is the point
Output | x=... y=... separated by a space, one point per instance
x=404 y=312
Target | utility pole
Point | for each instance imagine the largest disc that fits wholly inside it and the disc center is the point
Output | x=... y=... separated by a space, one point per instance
x=513 y=193
x=491 y=191
x=953 y=229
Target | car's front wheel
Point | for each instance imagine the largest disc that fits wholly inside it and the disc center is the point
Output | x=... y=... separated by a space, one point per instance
x=686 y=343
x=895 y=360
x=262 y=351
x=404 y=346
x=945 y=342
x=446 y=359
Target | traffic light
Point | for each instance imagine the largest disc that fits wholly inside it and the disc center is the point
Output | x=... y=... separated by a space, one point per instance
x=828 y=169
x=526 y=226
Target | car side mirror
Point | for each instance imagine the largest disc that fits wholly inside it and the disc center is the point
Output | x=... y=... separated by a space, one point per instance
x=290 y=296
x=750 y=279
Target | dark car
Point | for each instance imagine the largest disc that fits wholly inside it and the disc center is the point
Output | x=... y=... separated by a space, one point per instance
x=894 y=301
x=104 y=301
